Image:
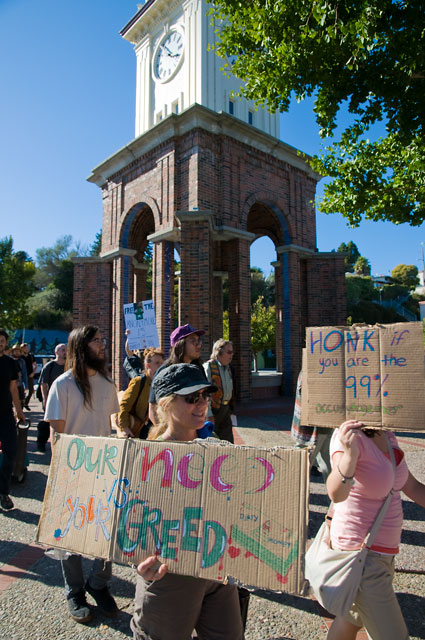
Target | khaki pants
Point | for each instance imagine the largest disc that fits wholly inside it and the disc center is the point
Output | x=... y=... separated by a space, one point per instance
x=376 y=606
x=171 y=608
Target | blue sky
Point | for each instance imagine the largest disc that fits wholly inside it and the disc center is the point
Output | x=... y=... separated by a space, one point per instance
x=68 y=99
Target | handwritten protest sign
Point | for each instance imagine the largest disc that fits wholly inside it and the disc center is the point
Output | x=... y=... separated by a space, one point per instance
x=208 y=509
x=374 y=374
x=140 y=320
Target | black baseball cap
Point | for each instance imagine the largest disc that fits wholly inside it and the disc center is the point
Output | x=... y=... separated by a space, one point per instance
x=180 y=379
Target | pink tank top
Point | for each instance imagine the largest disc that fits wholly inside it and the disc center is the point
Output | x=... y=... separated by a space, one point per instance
x=373 y=479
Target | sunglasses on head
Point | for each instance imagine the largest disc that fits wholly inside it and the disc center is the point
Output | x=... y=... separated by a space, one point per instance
x=194 y=397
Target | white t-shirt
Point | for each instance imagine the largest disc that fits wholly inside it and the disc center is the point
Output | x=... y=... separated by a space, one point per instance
x=66 y=402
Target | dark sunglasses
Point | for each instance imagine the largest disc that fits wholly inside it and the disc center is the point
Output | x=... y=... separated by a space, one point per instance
x=194 y=397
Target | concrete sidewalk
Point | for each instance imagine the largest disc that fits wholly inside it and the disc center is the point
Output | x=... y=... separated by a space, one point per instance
x=32 y=603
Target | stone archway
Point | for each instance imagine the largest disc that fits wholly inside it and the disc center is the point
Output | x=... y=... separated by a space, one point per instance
x=200 y=180
x=264 y=218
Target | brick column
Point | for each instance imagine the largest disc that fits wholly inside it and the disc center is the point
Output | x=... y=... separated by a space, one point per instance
x=294 y=304
x=217 y=307
x=92 y=294
x=238 y=260
x=140 y=271
x=196 y=273
x=163 y=290
x=325 y=277
x=122 y=293
x=279 y=315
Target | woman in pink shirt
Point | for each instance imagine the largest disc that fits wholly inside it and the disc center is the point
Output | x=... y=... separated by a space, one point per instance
x=361 y=478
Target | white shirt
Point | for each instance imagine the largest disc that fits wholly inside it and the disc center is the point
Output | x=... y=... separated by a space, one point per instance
x=66 y=402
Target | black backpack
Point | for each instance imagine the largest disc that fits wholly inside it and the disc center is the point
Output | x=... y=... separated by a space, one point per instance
x=133 y=366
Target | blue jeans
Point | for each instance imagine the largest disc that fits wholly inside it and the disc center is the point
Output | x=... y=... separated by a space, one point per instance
x=72 y=570
x=9 y=446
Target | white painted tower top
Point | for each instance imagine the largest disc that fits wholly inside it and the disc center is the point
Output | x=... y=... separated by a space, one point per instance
x=175 y=69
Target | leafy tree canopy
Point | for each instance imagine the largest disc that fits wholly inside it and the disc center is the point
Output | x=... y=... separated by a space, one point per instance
x=263 y=328
x=368 y=56
x=96 y=247
x=262 y=286
x=49 y=259
x=406 y=274
x=352 y=254
x=360 y=289
x=362 y=266
x=16 y=285
x=393 y=291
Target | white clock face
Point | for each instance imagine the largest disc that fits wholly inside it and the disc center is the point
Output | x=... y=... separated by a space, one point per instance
x=168 y=56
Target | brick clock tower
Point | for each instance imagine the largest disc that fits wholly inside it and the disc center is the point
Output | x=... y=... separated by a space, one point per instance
x=205 y=175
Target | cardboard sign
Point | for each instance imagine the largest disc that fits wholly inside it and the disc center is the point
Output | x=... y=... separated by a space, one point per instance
x=208 y=509
x=140 y=320
x=373 y=374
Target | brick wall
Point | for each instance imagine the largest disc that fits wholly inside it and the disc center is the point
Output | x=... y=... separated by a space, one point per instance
x=232 y=184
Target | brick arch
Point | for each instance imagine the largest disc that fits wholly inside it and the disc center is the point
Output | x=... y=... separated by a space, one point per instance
x=264 y=218
x=138 y=223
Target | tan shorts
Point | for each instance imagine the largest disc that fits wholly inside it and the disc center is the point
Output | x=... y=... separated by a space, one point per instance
x=376 y=606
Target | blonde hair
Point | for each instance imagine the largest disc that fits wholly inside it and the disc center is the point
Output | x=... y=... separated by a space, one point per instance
x=162 y=408
x=218 y=347
x=150 y=352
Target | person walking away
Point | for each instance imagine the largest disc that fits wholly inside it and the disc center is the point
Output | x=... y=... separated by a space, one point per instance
x=80 y=402
x=362 y=476
x=171 y=606
x=31 y=366
x=133 y=419
x=50 y=372
x=218 y=372
x=9 y=398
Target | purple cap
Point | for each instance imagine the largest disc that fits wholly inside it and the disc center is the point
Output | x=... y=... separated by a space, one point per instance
x=182 y=332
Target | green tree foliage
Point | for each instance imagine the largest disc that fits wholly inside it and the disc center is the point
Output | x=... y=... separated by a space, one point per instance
x=96 y=247
x=365 y=302
x=226 y=326
x=51 y=305
x=366 y=56
x=45 y=310
x=49 y=259
x=358 y=288
x=393 y=291
x=16 y=285
x=263 y=328
x=406 y=274
x=64 y=283
x=352 y=254
x=262 y=287
x=362 y=266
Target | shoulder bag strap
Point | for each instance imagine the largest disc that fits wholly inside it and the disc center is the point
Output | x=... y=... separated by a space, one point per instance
x=368 y=541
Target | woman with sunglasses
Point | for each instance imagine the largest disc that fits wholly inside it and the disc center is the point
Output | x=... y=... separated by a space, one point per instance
x=170 y=606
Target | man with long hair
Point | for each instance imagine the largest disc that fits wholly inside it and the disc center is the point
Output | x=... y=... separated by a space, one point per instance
x=81 y=402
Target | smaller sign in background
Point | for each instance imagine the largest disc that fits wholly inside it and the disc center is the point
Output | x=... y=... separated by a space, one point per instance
x=139 y=318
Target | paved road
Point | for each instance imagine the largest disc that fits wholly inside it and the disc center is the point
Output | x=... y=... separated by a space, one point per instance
x=32 y=604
